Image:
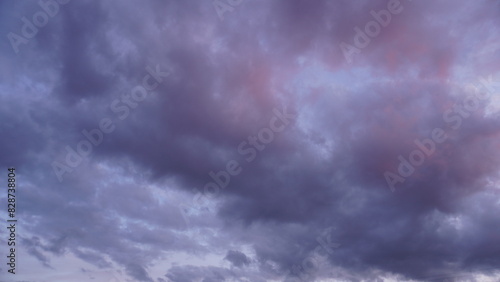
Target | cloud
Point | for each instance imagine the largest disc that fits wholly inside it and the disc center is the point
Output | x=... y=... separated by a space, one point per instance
x=237 y=258
x=133 y=204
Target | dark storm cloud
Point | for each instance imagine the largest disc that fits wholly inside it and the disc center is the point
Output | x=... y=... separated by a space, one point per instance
x=238 y=259
x=326 y=169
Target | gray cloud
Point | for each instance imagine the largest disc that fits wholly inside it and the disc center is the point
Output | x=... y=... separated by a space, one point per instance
x=120 y=208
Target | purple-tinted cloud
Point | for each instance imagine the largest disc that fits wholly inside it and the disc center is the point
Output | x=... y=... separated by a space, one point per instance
x=131 y=208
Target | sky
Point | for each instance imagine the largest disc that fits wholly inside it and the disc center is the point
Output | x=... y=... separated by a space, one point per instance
x=251 y=140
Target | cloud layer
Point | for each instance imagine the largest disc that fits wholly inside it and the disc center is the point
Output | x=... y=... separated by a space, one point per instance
x=237 y=141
